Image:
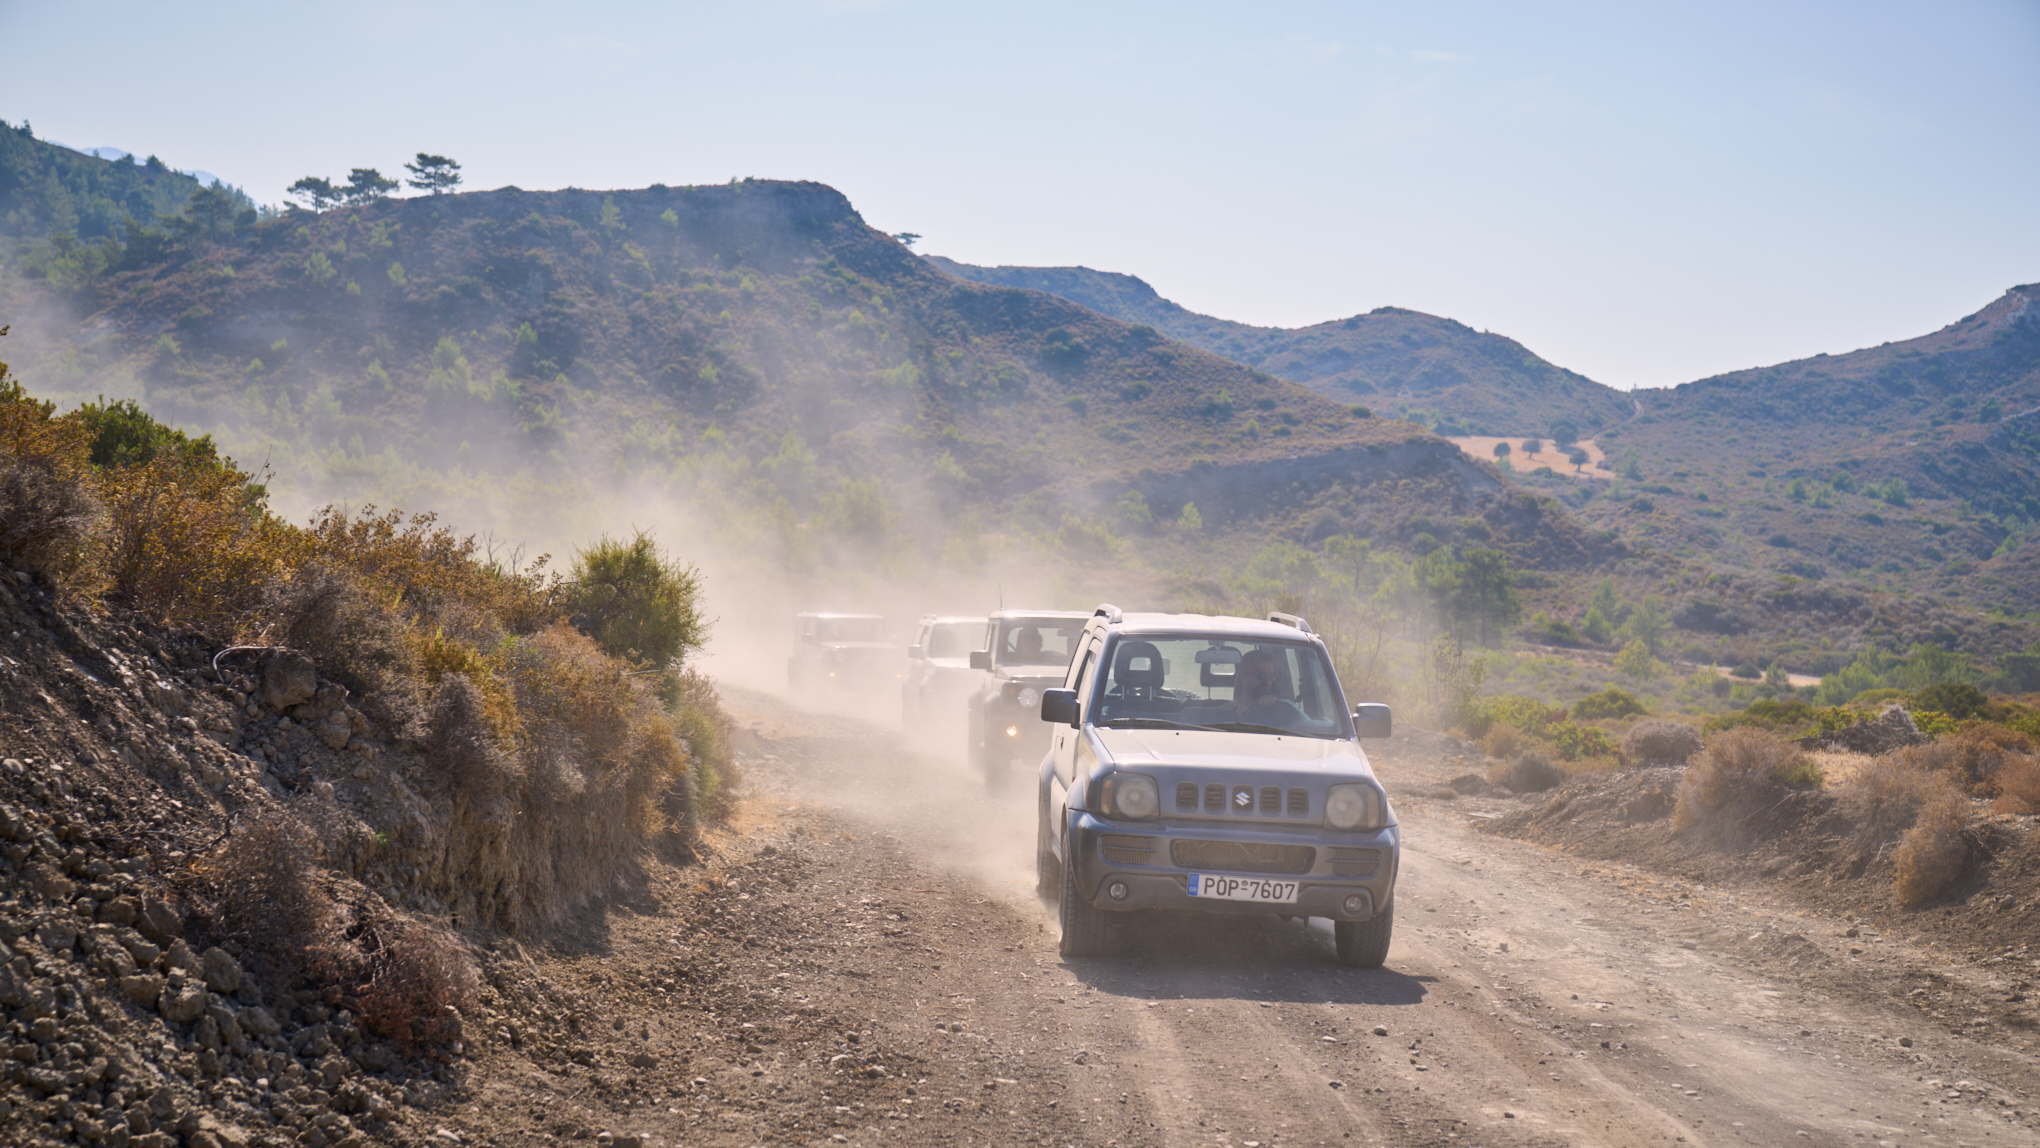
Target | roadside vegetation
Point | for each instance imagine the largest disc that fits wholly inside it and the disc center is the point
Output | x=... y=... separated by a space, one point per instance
x=512 y=677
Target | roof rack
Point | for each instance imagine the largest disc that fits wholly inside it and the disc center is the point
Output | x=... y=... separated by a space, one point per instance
x=1109 y=612
x=1291 y=620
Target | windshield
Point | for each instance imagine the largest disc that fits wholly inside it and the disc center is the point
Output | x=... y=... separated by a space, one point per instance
x=954 y=639
x=1199 y=682
x=1037 y=641
x=850 y=629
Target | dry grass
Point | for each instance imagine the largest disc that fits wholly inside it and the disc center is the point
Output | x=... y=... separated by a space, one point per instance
x=1660 y=743
x=1739 y=772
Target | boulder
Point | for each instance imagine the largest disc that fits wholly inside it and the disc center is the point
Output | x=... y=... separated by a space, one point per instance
x=158 y=922
x=288 y=679
x=181 y=1003
x=221 y=971
x=143 y=989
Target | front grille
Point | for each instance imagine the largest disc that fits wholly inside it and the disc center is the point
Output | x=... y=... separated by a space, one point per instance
x=1126 y=849
x=1268 y=801
x=1242 y=856
x=1355 y=862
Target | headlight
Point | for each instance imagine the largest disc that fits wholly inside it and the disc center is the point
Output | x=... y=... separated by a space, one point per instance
x=1028 y=697
x=1354 y=807
x=1131 y=796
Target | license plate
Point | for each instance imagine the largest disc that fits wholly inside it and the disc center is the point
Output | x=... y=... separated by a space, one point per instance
x=1242 y=889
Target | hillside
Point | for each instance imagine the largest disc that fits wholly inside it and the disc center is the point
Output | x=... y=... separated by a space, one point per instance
x=754 y=352
x=1441 y=373
x=51 y=191
x=1913 y=465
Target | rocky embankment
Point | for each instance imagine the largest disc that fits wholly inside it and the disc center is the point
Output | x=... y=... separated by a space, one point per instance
x=214 y=869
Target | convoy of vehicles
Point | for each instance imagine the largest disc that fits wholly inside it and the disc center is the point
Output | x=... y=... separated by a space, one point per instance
x=1185 y=762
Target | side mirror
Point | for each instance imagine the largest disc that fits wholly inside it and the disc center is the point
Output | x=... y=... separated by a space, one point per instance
x=1061 y=706
x=914 y=653
x=980 y=659
x=1370 y=719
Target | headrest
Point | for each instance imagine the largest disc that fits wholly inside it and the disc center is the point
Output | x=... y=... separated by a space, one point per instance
x=1138 y=665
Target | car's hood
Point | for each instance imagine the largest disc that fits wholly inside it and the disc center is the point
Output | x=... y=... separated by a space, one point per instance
x=1051 y=675
x=1219 y=749
x=858 y=646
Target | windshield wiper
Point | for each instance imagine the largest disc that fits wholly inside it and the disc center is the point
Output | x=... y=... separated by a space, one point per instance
x=1149 y=723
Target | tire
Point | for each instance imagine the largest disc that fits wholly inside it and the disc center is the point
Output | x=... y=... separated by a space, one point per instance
x=1087 y=931
x=1364 y=944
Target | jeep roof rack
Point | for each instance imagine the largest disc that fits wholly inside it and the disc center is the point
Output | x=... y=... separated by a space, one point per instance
x=1291 y=620
x=1109 y=612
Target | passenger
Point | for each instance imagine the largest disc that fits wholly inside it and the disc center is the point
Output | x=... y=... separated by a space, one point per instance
x=1254 y=698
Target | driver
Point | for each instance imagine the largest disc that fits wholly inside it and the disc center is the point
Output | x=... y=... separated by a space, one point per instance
x=1254 y=698
x=1027 y=645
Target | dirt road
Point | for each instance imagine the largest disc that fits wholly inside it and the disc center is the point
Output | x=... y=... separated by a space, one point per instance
x=862 y=960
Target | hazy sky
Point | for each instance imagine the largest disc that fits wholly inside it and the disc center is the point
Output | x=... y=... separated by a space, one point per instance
x=1644 y=192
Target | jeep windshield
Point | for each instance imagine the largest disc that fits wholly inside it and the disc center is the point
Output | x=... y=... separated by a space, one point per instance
x=1172 y=681
x=1037 y=641
x=850 y=629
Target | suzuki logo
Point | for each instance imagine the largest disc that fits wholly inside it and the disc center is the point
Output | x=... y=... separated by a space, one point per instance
x=1243 y=799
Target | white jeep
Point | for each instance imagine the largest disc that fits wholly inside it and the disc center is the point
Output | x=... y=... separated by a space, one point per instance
x=1211 y=764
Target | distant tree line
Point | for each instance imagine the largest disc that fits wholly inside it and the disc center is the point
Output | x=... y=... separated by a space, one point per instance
x=432 y=174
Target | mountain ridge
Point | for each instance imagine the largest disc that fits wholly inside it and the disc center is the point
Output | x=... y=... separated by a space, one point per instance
x=1454 y=379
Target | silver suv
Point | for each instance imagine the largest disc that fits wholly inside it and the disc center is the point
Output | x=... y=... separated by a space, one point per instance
x=1211 y=764
x=938 y=670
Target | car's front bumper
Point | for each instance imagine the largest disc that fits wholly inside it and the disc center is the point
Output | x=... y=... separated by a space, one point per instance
x=1158 y=882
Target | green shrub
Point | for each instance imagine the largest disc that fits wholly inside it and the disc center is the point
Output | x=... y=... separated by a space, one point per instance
x=1527 y=714
x=1574 y=741
x=637 y=603
x=1959 y=700
x=1609 y=703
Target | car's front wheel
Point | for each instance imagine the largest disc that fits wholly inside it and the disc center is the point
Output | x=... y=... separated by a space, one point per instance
x=1364 y=944
x=1087 y=931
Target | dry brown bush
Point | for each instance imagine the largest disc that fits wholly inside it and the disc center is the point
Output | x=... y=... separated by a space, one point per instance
x=1933 y=852
x=1503 y=742
x=416 y=977
x=1884 y=798
x=1660 y=743
x=1973 y=755
x=354 y=639
x=49 y=518
x=1531 y=772
x=1739 y=772
x=186 y=542
x=2018 y=784
x=461 y=741
x=264 y=883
